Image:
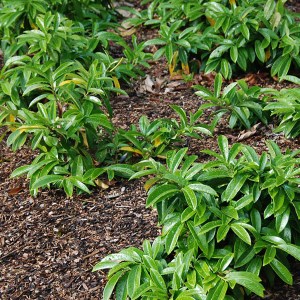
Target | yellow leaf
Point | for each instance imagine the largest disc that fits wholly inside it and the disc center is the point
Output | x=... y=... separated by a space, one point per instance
x=211 y=21
x=232 y=2
x=84 y=138
x=149 y=183
x=158 y=141
x=186 y=69
x=101 y=184
x=128 y=32
x=173 y=63
x=74 y=80
x=24 y=128
x=11 y=118
x=116 y=82
x=268 y=54
x=33 y=26
x=131 y=149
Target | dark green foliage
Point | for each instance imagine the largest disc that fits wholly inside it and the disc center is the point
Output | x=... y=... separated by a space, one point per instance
x=225 y=36
x=55 y=88
x=225 y=224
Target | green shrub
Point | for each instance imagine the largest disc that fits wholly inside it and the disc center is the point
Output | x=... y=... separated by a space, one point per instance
x=287 y=108
x=55 y=89
x=226 y=36
x=226 y=225
x=242 y=103
x=153 y=139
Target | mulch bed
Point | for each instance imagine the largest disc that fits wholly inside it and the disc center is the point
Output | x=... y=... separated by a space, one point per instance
x=49 y=244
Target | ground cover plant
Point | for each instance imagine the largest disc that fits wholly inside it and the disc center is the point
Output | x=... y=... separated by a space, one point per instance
x=56 y=79
x=225 y=224
x=229 y=223
x=224 y=36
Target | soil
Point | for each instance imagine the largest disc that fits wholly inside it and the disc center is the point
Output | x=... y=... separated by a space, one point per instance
x=49 y=244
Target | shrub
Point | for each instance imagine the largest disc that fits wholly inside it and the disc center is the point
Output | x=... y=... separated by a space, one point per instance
x=242 y=103
x=55 y=89
x=286 y=108
x=226 y=225
x=226 y=36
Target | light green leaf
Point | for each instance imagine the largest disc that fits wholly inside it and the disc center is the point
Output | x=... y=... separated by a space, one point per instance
x=234 y=187
x=218 y=292
x=111 y=285
x=158 y=279
x=209 y=226
x=172 y=237
x=218 y=85
x=161 y=193
x=222 y=232
x=45 y=180
x=199 y=187
x=134 y=278
x=290 y=249
x=190 y=197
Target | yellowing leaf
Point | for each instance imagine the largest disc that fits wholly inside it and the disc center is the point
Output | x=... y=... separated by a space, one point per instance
x=211 y=21
x=173 y=63
x=158 y=141
x=185 y=68
x=128 y=32
x=101 y=184
x=84 y=138
x=74 y=80
x=116 y=82
x=149 y=183
x=33 y=26
x=29 y=127
x=11 y=118
x=267 y=54
x=131 y=149
x=232 y=2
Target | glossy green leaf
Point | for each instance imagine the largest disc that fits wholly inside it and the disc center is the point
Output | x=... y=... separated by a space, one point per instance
x=199 y=187
x=218 y=292
x=282 y=271
x=234 y=187
x=45 y=180
x=241 y=232
x=290 y=249
x=269 y=255
x=190 y=197
x=247 y=280
x=133 y=280
x=161 y=193
x=109 y=287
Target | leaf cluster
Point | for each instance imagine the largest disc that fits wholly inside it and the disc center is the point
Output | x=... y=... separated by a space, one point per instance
x=56 y=84
x=243 y=104
x=226 y=225
x=225 y=36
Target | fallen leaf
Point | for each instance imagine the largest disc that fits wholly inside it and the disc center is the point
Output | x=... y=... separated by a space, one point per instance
x=246 y=134
x=101 y=184
x=149 y=84
x=128 y=32
x=14 y=191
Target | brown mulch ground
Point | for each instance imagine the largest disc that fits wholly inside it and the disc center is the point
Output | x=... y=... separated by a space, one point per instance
x=49 y=244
